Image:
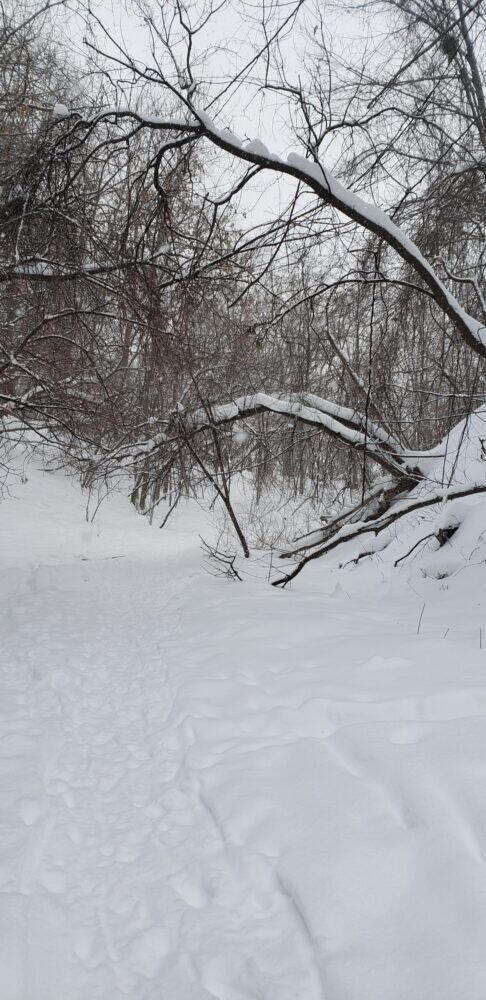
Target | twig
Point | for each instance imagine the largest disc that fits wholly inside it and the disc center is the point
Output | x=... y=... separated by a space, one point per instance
x=409 y=553
x=420 y=619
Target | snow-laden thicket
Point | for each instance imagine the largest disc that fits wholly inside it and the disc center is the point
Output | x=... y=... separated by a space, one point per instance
x=454 y=479
x=147 y=308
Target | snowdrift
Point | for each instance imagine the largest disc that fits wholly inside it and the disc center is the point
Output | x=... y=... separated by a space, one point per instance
x=445 y=510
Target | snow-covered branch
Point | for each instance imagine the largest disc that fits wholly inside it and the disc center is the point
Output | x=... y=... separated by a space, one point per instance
x=329 y=190
x=340 y=422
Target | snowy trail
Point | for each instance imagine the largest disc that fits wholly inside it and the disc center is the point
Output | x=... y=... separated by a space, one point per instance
x=216 y=791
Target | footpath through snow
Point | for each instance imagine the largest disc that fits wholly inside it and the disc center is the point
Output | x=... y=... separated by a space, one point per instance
x=213 y=790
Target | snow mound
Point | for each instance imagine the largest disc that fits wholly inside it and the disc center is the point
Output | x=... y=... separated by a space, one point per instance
x=445 y=537
x=460 y=458
x=60 y=111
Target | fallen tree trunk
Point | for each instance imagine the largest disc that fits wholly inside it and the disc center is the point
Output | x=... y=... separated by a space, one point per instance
x=350 y=532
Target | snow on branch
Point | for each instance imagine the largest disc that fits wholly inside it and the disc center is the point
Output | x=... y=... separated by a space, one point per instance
x=341 y=422
x=355 y=419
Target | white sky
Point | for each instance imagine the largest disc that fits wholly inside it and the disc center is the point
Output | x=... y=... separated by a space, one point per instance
x=221 y=51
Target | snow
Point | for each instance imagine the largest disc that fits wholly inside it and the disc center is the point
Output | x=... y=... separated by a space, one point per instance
x=228 y=136
x=257 y=147
x=60 y=111
x=451 y=515
x=346 y=413
x=214 y=790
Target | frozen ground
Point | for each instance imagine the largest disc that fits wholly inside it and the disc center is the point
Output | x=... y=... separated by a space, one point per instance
x=214 y=790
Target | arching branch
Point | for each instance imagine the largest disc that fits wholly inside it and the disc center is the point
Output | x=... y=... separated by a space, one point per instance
x=348 y=426
x=328 y=189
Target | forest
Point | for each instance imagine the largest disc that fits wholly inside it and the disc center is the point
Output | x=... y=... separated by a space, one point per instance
x=184 y=309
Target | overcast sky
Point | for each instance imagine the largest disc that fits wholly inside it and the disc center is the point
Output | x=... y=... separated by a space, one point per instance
x=220 y=53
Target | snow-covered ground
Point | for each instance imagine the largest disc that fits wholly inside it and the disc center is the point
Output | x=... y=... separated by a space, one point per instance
x=216 y=790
